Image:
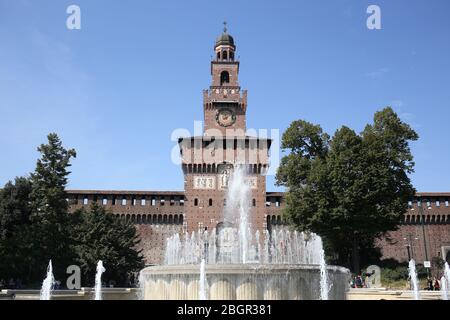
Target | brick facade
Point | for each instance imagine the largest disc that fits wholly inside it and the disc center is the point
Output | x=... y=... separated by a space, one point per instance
x=206 y=164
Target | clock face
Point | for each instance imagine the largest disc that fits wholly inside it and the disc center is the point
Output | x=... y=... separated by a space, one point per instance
x=225 y=117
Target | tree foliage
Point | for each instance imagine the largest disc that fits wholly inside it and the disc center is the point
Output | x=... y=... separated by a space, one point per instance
x=103 y=236
x=15 y=211
x=36 y=226
x=350 y=188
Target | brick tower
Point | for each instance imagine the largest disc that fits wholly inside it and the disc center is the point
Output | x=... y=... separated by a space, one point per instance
x=208 y=160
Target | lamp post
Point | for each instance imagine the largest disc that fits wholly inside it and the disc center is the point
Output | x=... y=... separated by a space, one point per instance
x=409 y=246
x=409 y=253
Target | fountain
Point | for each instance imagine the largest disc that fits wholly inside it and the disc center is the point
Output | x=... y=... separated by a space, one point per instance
x=203 y=283
x=244 y=264
x=238 y=200
x=413 y=279
x=98 y=280
x=324 y=289
x=444 y=289
x=47 y=284
x=447 y=274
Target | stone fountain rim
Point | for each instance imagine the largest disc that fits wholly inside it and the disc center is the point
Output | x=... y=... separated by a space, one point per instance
x=239 y=268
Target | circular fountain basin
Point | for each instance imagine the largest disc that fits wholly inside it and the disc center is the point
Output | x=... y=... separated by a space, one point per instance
x=243 y=282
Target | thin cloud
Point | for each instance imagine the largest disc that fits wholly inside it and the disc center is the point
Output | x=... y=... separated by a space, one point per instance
x=399 y=107
x=377 y=73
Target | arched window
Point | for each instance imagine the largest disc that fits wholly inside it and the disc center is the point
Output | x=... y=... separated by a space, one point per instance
x=218 y=55
x=225 y=55
x=224 y=78
x=210 y=202
x=254 y=202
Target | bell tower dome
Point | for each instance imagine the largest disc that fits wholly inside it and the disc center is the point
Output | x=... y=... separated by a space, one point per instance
x=225 y=47
x=224 y=103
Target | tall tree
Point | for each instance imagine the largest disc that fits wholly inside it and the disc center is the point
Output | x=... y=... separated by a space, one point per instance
x=51 y=222
x=351 y=189
x=15 y=210
x=103 y=236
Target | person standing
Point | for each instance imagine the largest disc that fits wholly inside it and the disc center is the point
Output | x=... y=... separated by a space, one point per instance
x=437 y=285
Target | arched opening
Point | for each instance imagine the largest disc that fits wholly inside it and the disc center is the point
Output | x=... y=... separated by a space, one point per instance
x=224 y=78
x=218 y=55
x=274 y=219
x=210 y=203
x=225 y=55
x=170 y=219
x=254 y=202
x=195 y=202
x=165 y=219
x=160 y=219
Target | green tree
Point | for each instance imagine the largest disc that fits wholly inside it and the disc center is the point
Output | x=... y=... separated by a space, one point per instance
x=15 y=210
x=351 y=189
x=52 y=225
x=103 y=236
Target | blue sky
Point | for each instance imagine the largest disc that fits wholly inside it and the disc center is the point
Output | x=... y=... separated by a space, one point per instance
x=116 y=89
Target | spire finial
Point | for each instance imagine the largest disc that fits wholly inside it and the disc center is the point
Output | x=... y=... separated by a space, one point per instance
x=225 y=27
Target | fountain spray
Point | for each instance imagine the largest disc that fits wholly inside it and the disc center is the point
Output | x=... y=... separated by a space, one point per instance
x=323 y=275
x=239 y=199
x=444 y=289
x=203 y=284
x=98 y=280
x=413 y=278
x=48 y=283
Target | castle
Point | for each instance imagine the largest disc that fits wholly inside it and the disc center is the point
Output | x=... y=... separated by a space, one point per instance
x=207 y=162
